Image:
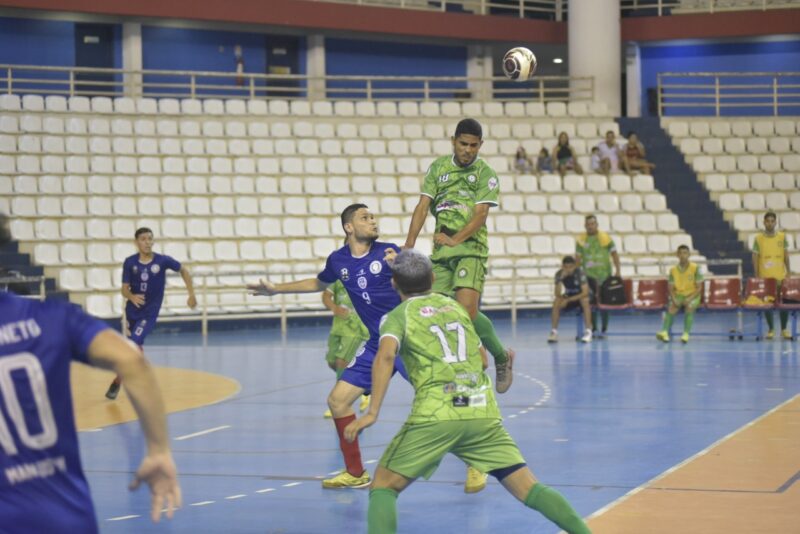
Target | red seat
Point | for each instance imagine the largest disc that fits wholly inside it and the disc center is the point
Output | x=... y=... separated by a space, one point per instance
x=628 y=285
x=724 y=294
x=651 y=295
x=790 y=294
x=761 y=288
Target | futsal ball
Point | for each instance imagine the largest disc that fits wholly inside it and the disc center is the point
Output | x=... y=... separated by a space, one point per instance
x=519 y=64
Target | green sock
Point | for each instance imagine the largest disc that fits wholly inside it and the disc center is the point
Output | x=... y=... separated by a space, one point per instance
x=668 y=317
x=594 y=320
x=604 y=316
x=382 y=513
x=554 y=507
x=770 y=320
x=784 y=319
x=688 y=321
x=485 y=329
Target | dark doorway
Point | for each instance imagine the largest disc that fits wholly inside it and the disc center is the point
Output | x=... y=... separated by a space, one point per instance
x=94 y=48
x=283 y=57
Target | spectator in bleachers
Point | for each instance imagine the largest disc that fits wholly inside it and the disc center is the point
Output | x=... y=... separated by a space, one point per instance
x=595 y=251
x=770 y=260
x=635 y=155
x=594 y=162
x=611 y=155
x=564 y=157
x=522 y=163
x=575 y=294
x=544 y=163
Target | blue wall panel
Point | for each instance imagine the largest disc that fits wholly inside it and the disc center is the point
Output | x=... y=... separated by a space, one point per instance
x=37 y=42
x=772 y=56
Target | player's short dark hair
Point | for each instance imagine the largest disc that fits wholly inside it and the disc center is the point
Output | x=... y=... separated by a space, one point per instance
x=590 y=217
x=568 y=260
x=142 y=230
x=683 y=247
x=412 y=272
x=770 y=214
x=469 y=127
x=349 y=212
x=5 y=229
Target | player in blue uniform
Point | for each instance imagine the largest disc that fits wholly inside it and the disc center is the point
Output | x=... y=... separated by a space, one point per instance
x=361 y=266
x=42 y=485
x=144 y=276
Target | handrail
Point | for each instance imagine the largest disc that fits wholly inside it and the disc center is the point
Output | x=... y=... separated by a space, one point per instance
x=5 y=281
x=74 y=81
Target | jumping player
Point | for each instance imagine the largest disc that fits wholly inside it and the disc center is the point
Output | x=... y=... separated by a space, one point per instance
x=454 y=409
x=144 y=277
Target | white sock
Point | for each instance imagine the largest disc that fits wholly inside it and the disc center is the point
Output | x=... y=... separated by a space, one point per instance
x=554 y=332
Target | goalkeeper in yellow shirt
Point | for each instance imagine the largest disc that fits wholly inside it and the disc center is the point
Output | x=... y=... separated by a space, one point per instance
x=770 y=260
x=685 y=291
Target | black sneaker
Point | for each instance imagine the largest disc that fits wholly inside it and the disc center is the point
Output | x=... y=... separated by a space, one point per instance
x=113 y=390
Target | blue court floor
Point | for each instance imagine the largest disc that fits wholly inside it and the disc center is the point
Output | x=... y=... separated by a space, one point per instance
x=594 y=421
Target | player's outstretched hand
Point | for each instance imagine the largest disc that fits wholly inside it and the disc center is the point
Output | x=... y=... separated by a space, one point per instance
x=137 y=300
x=444 y=239
x=389 y=255
x=352 y=430
x=158 y=471
x=262 y=288
x=192 y=301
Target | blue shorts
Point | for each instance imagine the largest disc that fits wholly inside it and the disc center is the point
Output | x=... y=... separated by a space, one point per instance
x=140 y=328
x=359 y=371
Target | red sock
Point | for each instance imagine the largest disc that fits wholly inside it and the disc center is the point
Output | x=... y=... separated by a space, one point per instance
x=350 y=451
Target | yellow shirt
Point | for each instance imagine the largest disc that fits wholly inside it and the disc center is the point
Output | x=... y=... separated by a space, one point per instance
x=685 y=280
x=771 y=250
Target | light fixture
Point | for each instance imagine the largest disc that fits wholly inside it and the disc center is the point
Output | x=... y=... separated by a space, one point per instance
x=558 y=60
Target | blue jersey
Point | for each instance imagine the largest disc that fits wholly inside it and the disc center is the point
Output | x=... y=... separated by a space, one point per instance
x=148 y=279
x=42 y=486
x=368 y=281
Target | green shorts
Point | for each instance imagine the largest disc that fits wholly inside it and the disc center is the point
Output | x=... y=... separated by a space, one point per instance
x=417 y=449
x=342 y=347
x=681 y=300
x=456 y=273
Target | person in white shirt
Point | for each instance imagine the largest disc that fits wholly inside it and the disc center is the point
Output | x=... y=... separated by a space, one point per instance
x=611 y=155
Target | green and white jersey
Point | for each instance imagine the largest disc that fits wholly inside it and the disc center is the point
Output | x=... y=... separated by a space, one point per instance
x=454 y=192
x=350 y=326
x=440 y=351
x=595 y=252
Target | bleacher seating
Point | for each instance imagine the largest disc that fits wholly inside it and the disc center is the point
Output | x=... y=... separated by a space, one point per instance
x=235 y=186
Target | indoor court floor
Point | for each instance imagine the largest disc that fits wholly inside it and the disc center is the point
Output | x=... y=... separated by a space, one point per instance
x=641 y=436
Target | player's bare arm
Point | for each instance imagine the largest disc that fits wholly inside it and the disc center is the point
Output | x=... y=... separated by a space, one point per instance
x=476 y=223
x=267 y=289
x=615 y=259
x=187 y=280
x=328 y=302
x=755 y=265
x=136 y=300
x=109 y=350
x=417 y=220
x=382 y=369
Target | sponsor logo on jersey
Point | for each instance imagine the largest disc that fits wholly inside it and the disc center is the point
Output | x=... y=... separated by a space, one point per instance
x=156 y=268
x=427 y=311
x=375 y=267
x=135 y=269
x=492 y=183
x=444 y=178
x=344 y=274
x=471 y=178
x=450 y=387
x=145 y=276
x=462 y=273
x=450 y=205
x=362 y=282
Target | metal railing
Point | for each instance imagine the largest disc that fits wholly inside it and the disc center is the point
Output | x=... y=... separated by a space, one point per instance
x=7 y=281
x=75 y=81
x=728 y=93
x=541 y=9
x=680 y=7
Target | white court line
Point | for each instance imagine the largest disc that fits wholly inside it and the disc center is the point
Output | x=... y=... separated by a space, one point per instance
x=122 y=518
x=292 y=484
x=265 y=490
x=674 y=468
x=92 y=430
x=201 y=503
x=774 y=389
x=370 y=461
x=202 y=432
x=335 y=472
x=232 y=497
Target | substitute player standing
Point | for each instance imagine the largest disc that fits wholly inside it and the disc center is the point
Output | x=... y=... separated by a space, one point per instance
x=594 y=251
x=42 y=485
x=770 y=260
x=144 y=276
x=454 y=409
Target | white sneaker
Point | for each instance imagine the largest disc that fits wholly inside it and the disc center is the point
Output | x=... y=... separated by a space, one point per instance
x=587 y=336
x=553 y=338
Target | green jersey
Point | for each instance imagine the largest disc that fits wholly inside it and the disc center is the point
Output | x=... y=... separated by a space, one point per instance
x=595 y=254
x=441 y=353
x=350 y=326
x=454 y=192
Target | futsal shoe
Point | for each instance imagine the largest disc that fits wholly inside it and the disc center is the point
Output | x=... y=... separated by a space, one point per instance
x=663 y=336
x=770 y=334
x=553 y=338
x=503 y=375
x=685 y=337
x=587 y=336
x=363 y=406
x=600 y=335
x=476 y=480
x=113 y=390
x=786 y=334
x=327 y=414
x=346 y=480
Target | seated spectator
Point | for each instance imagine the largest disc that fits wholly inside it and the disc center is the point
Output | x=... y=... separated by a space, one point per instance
x=572 y=292
x=564 y=157
x=634 y=152
x=595 y=161
x=522 y=163
x=543 y=162
x=611 y=155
